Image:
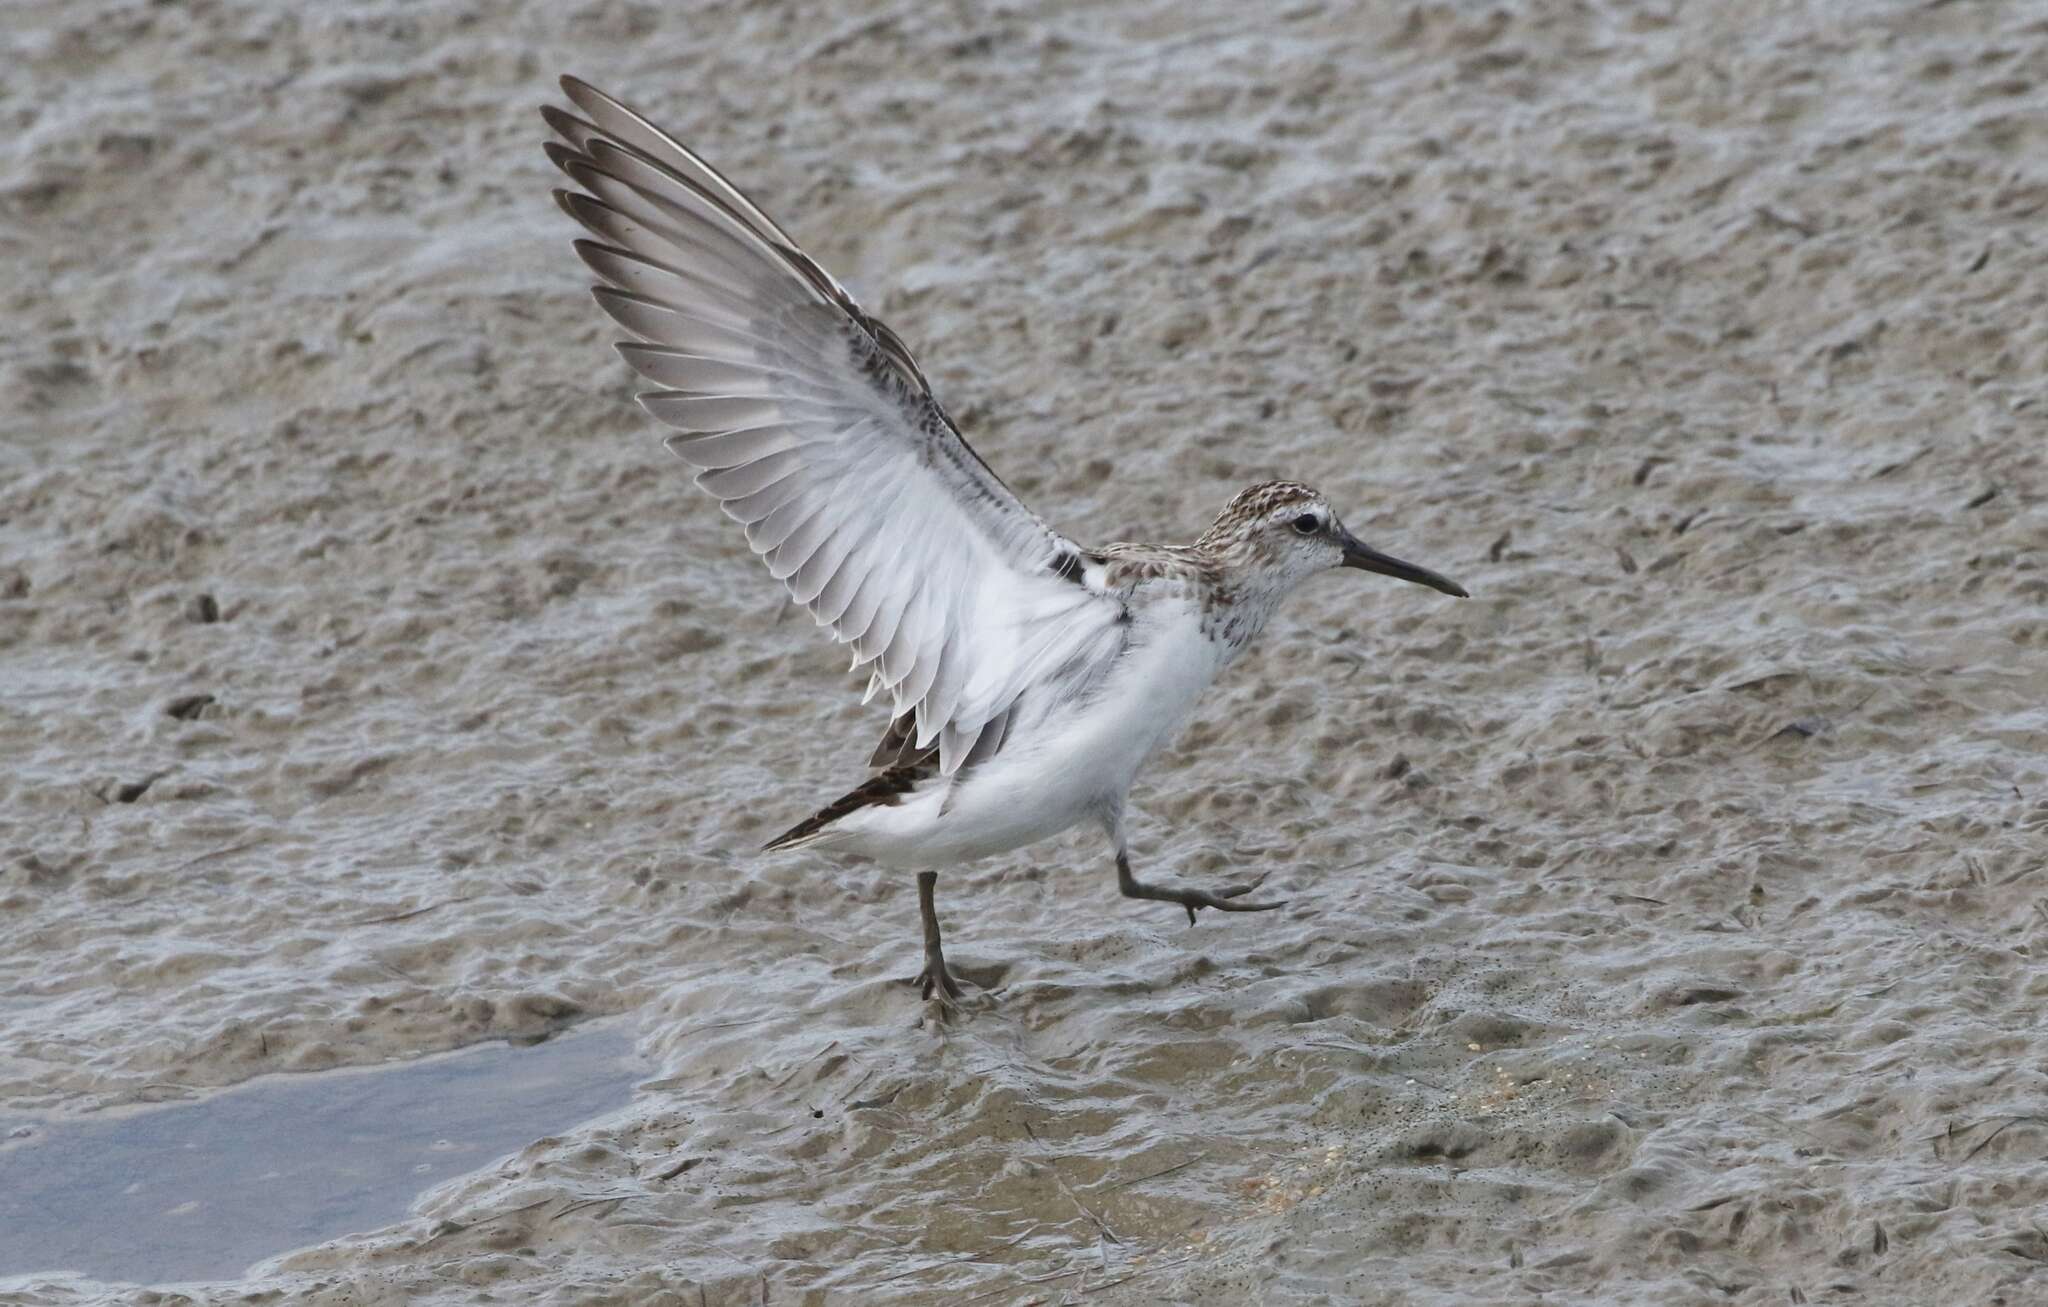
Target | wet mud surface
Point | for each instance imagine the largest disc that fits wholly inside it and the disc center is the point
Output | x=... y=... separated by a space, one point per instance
x=1665 y=920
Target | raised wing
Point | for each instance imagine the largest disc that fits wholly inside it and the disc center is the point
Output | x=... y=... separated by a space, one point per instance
x=816 y=430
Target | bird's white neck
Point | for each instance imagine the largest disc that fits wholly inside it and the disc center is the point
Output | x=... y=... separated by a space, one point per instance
x=1235 y=612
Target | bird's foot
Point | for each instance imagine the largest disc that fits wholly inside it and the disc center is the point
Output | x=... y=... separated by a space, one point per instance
x=1227 y=899
x=935 y=979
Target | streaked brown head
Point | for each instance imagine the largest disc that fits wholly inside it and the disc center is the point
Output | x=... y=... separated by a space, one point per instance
x=1289 y=531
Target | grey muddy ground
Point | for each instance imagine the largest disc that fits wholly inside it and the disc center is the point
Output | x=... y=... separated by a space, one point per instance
x=1665 y=920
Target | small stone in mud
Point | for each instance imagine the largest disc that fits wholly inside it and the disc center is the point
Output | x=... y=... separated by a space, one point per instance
x=203 y=609
x=187 y=707
x=130 y=791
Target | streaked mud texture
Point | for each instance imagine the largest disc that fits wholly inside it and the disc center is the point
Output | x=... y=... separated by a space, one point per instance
x=1665 y=920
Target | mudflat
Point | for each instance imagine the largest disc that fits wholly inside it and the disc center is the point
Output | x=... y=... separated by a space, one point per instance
x=1665 y=920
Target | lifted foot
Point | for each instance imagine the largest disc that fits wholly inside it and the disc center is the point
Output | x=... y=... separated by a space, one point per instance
x=1223 y=900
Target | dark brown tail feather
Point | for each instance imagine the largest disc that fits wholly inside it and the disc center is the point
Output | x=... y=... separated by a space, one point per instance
x=886 y=790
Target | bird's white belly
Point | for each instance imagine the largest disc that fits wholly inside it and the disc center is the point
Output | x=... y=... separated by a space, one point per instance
x=1068 y=768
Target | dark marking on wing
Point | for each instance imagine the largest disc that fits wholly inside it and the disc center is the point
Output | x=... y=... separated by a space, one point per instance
x=899 y=745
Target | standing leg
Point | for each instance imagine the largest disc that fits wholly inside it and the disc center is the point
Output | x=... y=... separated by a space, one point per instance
x=1223 y=900
x=935 y=975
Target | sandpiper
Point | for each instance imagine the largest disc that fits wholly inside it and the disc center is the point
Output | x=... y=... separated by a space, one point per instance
x=1030 y=676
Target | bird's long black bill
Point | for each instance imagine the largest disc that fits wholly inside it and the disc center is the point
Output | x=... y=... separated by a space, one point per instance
x=1363 y=556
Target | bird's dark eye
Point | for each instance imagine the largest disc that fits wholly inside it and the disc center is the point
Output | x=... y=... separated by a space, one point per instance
x=1308 y=524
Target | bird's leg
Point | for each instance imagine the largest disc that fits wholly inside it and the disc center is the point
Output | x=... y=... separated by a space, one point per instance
x=1223 y=900
x=935 y=976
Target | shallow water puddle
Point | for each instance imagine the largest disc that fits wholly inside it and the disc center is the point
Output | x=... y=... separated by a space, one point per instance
x=201 y=1190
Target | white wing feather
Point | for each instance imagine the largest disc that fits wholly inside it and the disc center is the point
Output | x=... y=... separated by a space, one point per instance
x=818 y=433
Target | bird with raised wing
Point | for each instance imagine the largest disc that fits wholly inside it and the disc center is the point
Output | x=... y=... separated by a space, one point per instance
x=1030 y=677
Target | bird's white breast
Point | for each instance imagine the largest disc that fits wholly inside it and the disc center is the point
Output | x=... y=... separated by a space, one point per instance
x=1068 y=766
x=1148 y=697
